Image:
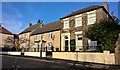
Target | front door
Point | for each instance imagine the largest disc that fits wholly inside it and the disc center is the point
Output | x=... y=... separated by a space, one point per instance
x=66 y=45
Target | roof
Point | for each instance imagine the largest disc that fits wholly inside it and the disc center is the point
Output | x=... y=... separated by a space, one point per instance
x=5 y=31
x=48 y=28
x=30 y=28
x=83 y=10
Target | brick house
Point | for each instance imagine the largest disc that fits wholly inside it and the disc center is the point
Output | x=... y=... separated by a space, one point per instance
x=47 y=36
x=76 y=23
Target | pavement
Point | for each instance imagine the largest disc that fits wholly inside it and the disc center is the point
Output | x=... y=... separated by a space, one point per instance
x=37 y=63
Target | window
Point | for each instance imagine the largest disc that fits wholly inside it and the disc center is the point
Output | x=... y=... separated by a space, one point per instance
x=35 y=38
x=50 y=36
x=79 y=42
x=78 y=20
x=91 y=17
x=79 y=38
x=49 y=46
x=92 y=44
x=66 y=23
x=42 y=36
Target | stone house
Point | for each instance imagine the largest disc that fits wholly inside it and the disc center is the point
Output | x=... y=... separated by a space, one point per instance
x=76 y=23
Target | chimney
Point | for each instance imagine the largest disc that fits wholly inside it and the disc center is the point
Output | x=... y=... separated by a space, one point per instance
x=106 y=6
x=112 y=14
x=41 y=23
x=30 y=24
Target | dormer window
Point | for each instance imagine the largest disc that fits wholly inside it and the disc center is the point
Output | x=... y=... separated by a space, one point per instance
x=66 y=23
x=78 y=20
x=91 y=17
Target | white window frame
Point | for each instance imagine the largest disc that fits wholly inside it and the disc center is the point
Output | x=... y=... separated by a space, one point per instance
x=42 y=36
x=81 y=47
x=91 y=17
x=66 y=23
x=35 y=37
x=78 y=20
x=50 y=36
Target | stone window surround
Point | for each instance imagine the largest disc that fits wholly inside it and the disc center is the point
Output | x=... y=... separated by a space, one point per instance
x=89 y=15
x=67 y=21
x=76 y=39
x=78 y=17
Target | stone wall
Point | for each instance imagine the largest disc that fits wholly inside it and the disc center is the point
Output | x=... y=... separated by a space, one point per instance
x=106 y=57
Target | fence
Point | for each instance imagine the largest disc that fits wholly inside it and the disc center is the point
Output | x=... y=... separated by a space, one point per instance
x=105 y=57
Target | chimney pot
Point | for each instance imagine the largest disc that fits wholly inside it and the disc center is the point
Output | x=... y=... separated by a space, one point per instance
x=112 y=14
x=38 y=21
x=30 y=24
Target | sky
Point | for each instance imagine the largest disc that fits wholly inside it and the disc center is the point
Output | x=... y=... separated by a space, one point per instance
x=16 y=16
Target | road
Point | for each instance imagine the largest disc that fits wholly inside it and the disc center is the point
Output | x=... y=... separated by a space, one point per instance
x=27 y=63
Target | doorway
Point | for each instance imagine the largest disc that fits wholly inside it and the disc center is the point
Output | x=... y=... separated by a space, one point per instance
x=66 y=43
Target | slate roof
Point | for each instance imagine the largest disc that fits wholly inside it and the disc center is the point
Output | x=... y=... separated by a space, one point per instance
x=83 y=10
x=5 y=31
x=30 y=28
x=48 y=28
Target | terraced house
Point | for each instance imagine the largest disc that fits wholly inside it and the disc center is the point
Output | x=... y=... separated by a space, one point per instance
x=47 y=36
x=25 y=34
x=59 y=35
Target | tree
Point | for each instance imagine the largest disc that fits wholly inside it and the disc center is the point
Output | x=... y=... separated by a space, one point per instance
x=15 y=43
x=105 y=33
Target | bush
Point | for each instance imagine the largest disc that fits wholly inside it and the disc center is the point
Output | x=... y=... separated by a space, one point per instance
x=13 y=49
x=6 y=48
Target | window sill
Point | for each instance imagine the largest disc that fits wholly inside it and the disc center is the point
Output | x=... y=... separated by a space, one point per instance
x=78 y=26
x=66 y=28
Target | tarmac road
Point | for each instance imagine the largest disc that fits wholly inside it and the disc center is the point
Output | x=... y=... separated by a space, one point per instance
x=30 y=63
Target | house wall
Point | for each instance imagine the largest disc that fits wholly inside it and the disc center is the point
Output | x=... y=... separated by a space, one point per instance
x=55 y=42
x=100 y=14
x=3 y=38
x=106 y=57
x=24 y=36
